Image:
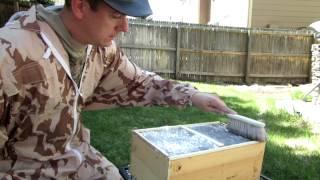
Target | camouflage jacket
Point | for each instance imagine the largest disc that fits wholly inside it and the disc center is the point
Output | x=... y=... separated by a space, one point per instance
x=40 y=103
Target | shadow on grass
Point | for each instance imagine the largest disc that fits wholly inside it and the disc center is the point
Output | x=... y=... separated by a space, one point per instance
x=286 y=125
x=111 y=133
x=282 y=163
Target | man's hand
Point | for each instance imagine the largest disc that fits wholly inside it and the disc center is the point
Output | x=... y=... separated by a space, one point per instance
x=210 y=103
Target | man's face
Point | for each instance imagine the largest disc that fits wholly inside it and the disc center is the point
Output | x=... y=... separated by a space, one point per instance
x=103 y=25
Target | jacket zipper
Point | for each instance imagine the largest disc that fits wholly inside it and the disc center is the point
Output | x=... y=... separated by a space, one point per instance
x=61 y=61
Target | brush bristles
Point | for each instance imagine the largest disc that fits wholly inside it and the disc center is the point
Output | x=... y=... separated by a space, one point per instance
x=247 y=130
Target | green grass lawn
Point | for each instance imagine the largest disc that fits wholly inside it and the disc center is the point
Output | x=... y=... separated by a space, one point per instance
x=292 y=150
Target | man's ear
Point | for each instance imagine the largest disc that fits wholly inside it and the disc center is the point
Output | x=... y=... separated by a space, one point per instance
x=78 y=8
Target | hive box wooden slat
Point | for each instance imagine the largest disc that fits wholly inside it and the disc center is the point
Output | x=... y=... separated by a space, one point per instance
x=238 y=161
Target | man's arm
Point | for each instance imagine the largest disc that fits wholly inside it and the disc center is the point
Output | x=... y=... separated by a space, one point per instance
x=125 y=84
x=210 y=103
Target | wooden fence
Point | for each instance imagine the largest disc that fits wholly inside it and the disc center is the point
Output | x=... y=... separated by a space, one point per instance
x=219 y=54
x=213 y=54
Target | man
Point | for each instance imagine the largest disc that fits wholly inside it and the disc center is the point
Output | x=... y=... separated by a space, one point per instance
x=49 y=73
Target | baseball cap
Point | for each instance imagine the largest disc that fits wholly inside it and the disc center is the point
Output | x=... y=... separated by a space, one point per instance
x=136 y=8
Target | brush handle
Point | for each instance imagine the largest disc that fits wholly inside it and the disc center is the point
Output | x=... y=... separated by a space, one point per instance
x=246 y=120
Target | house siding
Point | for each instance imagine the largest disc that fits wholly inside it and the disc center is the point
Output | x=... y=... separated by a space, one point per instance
x=284 y=13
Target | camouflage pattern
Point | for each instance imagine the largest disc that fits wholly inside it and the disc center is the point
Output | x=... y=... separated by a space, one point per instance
x=40 y=134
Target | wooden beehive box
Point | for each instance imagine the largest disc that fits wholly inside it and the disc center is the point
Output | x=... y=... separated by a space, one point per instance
x=202 y=151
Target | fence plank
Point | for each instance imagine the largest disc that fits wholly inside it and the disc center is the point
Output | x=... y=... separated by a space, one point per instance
x=177 y=61
x=248 y=60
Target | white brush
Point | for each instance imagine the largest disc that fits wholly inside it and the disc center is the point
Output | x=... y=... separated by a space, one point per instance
x=246 y=127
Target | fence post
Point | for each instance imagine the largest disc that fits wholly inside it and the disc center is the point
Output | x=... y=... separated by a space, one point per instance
x=314 y=41
x=248 y=59
x=16 y=6
x=177 y=60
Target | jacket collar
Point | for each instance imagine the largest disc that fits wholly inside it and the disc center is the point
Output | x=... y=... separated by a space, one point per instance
x=25 y=20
